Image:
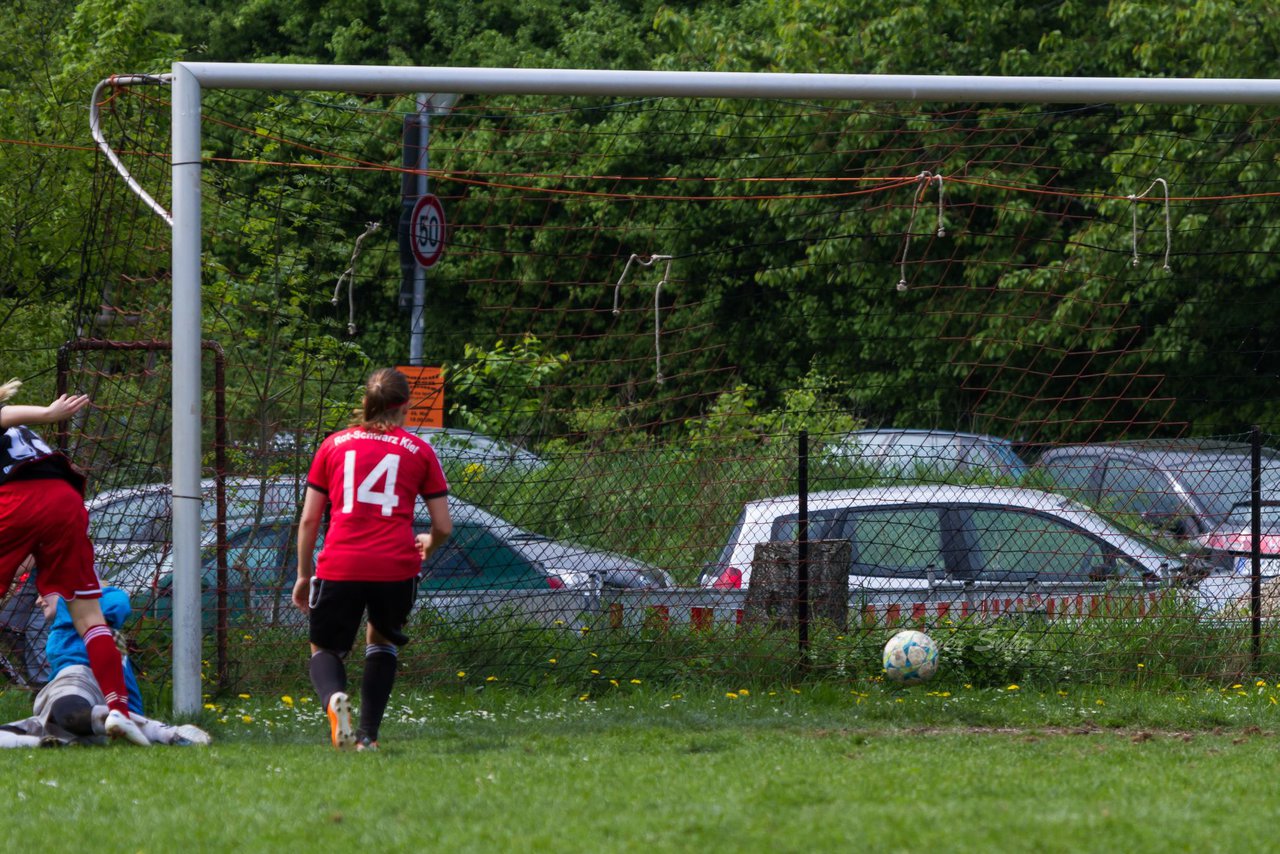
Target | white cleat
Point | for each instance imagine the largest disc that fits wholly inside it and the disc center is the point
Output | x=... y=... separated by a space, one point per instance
x=340 y=731
x=189 y=734
x=120 y=726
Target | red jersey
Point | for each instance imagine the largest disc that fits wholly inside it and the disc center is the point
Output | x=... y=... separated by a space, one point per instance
x=372 y=480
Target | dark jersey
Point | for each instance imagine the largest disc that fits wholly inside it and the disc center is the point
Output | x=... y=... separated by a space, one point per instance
x=25 y=456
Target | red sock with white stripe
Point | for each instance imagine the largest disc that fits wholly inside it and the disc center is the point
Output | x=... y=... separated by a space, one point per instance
x=108 y=669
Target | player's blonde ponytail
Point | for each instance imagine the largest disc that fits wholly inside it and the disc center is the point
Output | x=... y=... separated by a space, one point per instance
x=9 y=389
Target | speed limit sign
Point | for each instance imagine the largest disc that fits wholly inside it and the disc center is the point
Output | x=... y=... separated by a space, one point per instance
x=426 y=230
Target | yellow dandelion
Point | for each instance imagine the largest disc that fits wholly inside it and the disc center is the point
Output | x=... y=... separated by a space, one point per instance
x=551 y=660
x=1141 y=665
x=613 y=682
x=595 y=672
x=244 y=696
x=1261 y=683
x=247 y=718
x=210 y=706
x=287 y=700
x=1012 y=688
x=635 y=681
x=462 y=674
x=1100 y=702
x=731 y=695
x=248 y=637
x=491 y=678
x=677 y=696
x=584 y=698
x=744 y=692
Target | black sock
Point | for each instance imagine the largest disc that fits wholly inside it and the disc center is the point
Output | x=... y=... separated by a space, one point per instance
x=375 y=688
x=74 y=714
x=328 y=675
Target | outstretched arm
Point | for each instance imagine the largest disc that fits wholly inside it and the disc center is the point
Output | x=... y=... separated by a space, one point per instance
x=60 y=410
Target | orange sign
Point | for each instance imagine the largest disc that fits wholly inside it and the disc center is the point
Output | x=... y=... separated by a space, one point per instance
x=426 y=396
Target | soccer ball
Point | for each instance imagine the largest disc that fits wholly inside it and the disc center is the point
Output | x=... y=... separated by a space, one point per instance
x=910 y=657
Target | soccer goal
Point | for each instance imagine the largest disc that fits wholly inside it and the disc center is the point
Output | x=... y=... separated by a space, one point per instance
x=642 y=286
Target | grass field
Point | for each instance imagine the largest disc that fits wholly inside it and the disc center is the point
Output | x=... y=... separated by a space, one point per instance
x=818 y=768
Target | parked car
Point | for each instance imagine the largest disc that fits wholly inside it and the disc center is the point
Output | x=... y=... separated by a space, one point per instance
x=130 y=523
x=464 y=447
x=23 y=632
x=1230 y=542
x=1177 y=487
x=485 y=553
x=931 y=454
x=915 y=538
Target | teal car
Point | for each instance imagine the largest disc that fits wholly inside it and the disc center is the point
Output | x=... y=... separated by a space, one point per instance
x=485 y=554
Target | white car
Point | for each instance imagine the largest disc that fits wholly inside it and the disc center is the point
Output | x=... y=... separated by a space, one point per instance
x=916 y=538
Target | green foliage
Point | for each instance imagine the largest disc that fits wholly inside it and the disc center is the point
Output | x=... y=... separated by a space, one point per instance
x=500 y=391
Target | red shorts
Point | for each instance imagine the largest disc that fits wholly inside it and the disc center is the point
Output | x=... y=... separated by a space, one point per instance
x=46 y=518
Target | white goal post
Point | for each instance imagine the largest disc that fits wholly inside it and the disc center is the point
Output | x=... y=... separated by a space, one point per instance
x=189 y=79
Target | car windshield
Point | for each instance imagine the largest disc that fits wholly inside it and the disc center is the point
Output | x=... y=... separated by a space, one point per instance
x=1242 y=515
x=1219 y=483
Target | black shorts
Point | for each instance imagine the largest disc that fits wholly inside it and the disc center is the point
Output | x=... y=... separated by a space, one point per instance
x=338 y=609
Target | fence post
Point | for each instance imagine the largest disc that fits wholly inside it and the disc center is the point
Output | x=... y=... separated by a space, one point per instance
x=1255 y=545
x=802 y=556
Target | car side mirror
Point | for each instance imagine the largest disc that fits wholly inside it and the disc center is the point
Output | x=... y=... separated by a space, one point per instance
x=1102 y=573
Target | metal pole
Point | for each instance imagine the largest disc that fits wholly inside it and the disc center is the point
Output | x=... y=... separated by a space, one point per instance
x=1255 y=546
x=802 y=551
x=725 y=84
x=186 y=391
x=417 y=321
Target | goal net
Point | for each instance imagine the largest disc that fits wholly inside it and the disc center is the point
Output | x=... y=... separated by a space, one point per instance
x=661 y=323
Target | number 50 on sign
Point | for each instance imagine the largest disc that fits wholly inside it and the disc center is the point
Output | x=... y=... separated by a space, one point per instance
x=426 y=230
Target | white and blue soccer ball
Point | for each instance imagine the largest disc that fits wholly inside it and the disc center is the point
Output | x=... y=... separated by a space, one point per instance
x=910 y=657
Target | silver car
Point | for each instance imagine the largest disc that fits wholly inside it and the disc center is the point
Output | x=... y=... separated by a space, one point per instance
x=1181 y=487
x=132 y=527
x=930 y=454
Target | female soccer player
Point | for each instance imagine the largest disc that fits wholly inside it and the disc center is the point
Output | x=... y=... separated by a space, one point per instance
x=42 y=514
x=369 y=476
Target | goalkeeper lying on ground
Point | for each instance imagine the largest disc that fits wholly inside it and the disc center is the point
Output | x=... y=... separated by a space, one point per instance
x=71 y=709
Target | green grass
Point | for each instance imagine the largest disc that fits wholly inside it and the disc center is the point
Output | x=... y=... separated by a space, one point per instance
x=823 y=767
